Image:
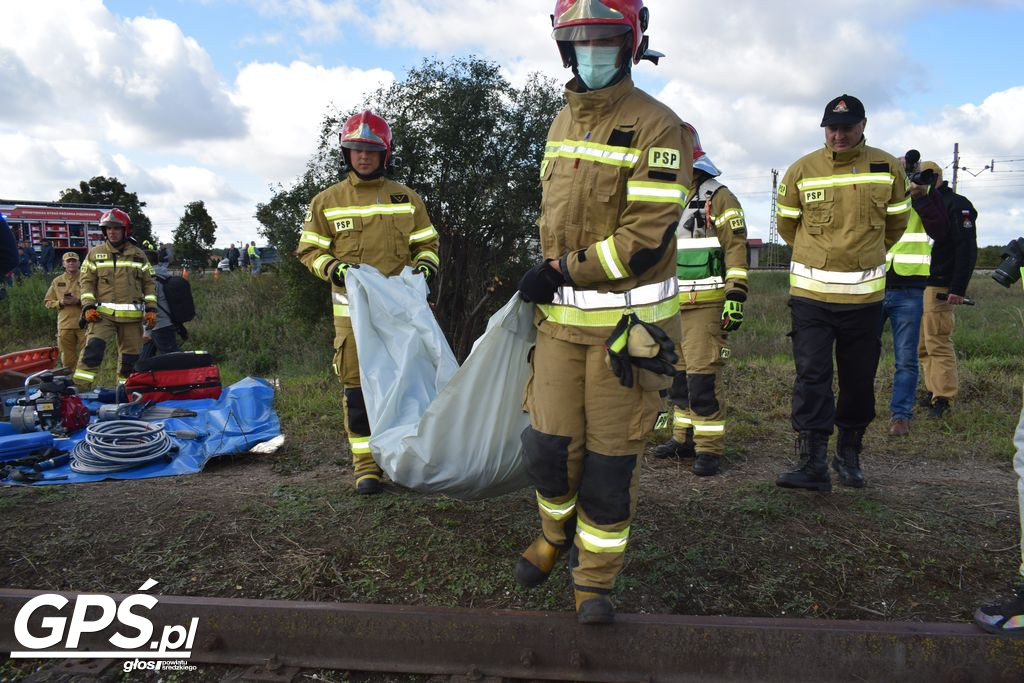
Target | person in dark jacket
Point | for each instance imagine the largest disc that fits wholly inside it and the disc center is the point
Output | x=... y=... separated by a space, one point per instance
x=47 y=257
x=951 y=269
x=233 y=256
x=908 y=265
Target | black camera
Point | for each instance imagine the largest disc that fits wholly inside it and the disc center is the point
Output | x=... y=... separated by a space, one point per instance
x=910 y=161
x=1008 y=271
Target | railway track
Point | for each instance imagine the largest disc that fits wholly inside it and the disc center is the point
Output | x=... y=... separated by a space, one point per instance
x=278 y=638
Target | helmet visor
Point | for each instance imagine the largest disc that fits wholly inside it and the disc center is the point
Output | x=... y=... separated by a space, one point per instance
x=580 y=32
x=365 y=146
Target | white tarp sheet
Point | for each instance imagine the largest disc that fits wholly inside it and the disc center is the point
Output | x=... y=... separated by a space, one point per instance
x=439 y=428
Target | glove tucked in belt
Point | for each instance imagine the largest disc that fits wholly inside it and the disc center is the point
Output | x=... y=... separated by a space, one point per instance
x=645 y=345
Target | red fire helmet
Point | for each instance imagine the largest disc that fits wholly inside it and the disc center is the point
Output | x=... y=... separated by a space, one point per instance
x=118 y=219
x=367 y=131
x=591 y=19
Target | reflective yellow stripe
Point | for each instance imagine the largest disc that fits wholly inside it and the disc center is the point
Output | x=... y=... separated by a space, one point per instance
x=83 y=375
x=788 y=211
x=736 y=274
x=88 y=295
x=149 y=297
x=728 y=215
x=423 y=235
x=701 y=296
x=597 y=541
x=372 y=210
x=341 y=311
x=898 y=208
x=428 y=255
x=625 y=157
x=708 y=427
x=359 y=444
x=845 y=179
x=122 y=264
x=556 y=511
x=119 y=314
x=318 y=266
x=660 y=193
x=682 y=420
x=608 y=255
x=315 y=239
x=569 y=315
x=837 y=282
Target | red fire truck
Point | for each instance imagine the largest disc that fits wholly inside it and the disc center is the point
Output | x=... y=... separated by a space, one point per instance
x=68 y=227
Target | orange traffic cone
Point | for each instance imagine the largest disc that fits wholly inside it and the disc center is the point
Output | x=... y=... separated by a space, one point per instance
x=184 y=272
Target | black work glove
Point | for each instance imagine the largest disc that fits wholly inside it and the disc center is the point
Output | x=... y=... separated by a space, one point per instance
x=540 y=283
x=618 y=351
x=646 y=339
x=645 y=345
x=427 y=271
x=337 y=270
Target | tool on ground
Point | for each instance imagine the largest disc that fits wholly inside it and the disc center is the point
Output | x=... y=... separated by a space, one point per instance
x=53 y=407
x=120 y=445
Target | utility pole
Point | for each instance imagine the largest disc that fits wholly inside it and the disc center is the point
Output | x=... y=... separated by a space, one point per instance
x=956 y=162
x=773 y=227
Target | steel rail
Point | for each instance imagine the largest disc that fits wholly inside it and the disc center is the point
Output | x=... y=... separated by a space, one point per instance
x=478 y=644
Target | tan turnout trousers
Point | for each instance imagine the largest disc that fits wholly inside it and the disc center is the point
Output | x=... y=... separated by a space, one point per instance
x=588 y=436
x=353 y=407
x=938 y=357
x=697 y=397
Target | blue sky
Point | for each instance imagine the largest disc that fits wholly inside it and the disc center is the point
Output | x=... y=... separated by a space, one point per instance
x=219 y=99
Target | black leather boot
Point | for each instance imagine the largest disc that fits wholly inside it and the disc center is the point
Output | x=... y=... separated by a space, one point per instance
x=812 y=471
x=847 y=460
x=674 y=449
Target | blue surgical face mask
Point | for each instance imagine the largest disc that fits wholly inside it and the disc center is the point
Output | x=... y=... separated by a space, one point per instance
x=596 y=65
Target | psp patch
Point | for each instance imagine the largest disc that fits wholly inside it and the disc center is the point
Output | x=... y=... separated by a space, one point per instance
x=344 y=224
x=309 y=215
x=726 y=353
x=102 y=257
x=737 y=224
x=662 y=157
x=811 y=196
x=399 y=199
x=782 y=189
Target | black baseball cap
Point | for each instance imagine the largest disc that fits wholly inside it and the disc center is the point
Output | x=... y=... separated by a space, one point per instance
x=843 y=111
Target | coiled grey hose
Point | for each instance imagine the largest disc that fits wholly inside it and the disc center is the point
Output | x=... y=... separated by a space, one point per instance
x=120 y=445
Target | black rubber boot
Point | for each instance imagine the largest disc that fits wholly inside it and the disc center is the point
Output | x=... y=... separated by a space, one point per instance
x=706 y=464
x=847 y=460
x=812 y=471
x=593 y=608
x=369 y=486
x=674 y=449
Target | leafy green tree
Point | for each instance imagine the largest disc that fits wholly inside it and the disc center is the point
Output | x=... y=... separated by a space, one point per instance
x=194 y=236
x=112 y=192
x=471 y=145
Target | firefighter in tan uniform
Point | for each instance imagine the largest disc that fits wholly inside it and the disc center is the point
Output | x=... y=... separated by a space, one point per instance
x=118 y=297
x=615 y=176
x=366 y=218
x=711 y=265
x=65 y=297
x=841 y=208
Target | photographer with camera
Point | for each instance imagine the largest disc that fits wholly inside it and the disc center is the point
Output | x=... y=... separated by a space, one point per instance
x=952 y=266
x=908 y=265
x=1007 y=618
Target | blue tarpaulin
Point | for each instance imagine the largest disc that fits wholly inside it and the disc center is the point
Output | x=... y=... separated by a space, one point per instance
x=242 y=417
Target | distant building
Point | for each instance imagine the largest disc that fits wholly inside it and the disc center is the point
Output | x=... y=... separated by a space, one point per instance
x=754 y=252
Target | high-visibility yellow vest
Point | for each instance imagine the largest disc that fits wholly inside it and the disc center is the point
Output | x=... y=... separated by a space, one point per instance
x=911 y=256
